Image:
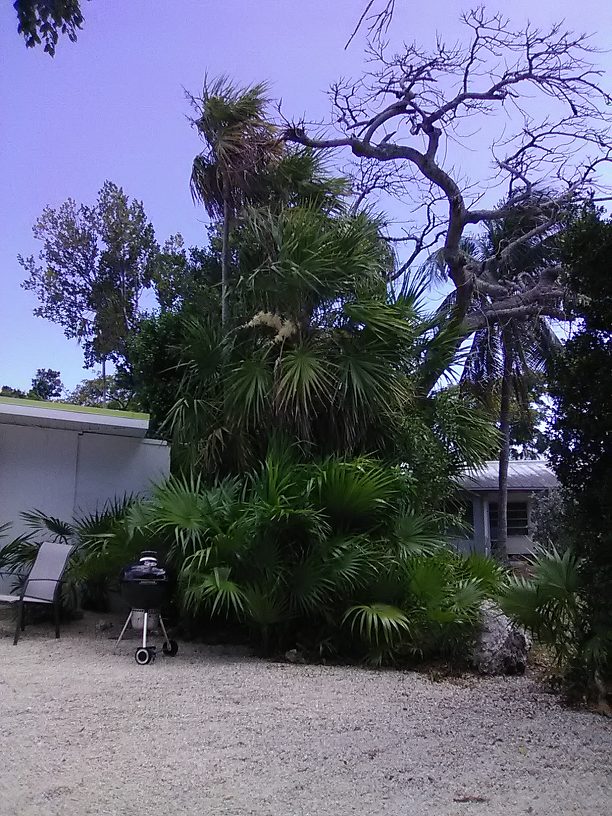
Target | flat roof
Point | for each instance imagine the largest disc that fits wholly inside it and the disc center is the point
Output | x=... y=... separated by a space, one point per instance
x=62 y=415
x=523 y=474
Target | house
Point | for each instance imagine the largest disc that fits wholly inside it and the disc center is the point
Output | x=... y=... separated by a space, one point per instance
x=478 y=492
x=65 y=459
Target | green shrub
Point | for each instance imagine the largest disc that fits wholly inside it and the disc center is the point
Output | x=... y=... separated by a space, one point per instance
x=549 y=604
x=331 y=556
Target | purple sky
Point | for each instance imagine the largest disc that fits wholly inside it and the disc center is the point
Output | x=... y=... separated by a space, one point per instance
x=112 y=107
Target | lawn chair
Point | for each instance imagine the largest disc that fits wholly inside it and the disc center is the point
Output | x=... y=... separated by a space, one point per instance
x=42 y=584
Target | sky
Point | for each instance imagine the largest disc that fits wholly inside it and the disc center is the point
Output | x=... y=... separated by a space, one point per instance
x=112 y=106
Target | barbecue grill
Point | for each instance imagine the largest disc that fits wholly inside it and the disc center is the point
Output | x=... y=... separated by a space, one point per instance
x=145 y=586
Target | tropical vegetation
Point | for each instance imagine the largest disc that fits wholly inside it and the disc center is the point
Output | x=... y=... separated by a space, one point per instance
x=307 y=388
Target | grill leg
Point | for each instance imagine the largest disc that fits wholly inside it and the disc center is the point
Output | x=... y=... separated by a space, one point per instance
x=125 y=626
x=165 y=634
x=144 y=629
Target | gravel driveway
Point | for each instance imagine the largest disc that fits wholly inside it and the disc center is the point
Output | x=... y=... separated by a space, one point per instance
x=84 y=732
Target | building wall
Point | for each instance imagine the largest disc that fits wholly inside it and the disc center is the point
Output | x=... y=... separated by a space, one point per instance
x=480 y=541
x=116 y=465
x=64 y=473
x=37 y=471
x=517 y=545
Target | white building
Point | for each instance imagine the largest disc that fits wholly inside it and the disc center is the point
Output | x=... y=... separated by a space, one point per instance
x=65 y=460
x=526 y=478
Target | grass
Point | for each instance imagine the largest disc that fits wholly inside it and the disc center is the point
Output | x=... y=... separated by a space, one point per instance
x=65 y=406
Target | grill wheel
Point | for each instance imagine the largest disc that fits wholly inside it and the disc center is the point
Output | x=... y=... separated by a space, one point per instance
x=144 y=655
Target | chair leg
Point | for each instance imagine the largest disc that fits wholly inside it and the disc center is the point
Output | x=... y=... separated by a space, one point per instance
x=56 y=618
x=19 y=624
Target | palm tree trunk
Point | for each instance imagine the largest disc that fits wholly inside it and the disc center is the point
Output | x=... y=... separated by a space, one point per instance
x=499 y=547
x=225 y=262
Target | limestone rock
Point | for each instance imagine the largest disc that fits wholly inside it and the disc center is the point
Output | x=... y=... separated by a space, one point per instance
x=501 y=646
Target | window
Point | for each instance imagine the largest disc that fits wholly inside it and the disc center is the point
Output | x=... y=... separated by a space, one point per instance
x=518 y=519
x=464 y=510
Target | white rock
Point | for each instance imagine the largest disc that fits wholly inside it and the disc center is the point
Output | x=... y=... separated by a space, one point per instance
x=501 y=646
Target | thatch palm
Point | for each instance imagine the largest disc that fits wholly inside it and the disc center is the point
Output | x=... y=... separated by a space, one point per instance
x=324 y=357
x=329 y=554
x=239 y=144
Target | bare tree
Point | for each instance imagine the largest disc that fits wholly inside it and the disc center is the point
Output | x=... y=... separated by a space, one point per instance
x=533 y=93
x=376 y=18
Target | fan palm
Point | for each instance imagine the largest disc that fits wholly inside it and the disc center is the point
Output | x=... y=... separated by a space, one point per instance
x=326 y=355
x=239 y=144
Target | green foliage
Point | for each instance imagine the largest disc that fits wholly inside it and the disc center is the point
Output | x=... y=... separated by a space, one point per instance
x=155 y=352
x=551 y=520
x=324 y=356
x=311 y=454
x=16 y=553
x=280 y=553
x=238 y=143
x=378 y=624
x=581 y=430
x=47 y=384
x=112 y=392
x=95 y=264
x=14 y=393
x=550 y=604
x=42 y=21
x=103 y=542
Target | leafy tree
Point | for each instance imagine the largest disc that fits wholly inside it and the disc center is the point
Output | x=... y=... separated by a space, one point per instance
x=325 y=356
x=113 y=393
x=47 y=384
x=42 y=21
x=183 y=276
x=581 y=430
x=95 y=264
x=155 y=351
x=187 y=282
x=15 y=393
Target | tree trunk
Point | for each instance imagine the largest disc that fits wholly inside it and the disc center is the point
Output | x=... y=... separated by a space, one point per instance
x=225 y=262
x=499 y=546
x=104 y=381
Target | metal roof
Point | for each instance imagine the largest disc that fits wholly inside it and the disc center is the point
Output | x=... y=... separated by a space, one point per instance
x=523 y=474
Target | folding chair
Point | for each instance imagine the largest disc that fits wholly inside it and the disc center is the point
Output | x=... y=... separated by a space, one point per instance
x=42 y=584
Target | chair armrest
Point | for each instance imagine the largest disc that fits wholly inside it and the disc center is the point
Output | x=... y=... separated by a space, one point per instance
x=47 y=580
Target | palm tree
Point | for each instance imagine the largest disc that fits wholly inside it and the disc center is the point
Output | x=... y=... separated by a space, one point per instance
x=503 y=357
x=501 y=365
x=239 y=144
x=325 y=356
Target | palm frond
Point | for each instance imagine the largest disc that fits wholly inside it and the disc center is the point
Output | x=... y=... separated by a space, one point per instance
x=215 y=591
x=355 y=494
x=414 y=535
x=378 y=624
x=42 y=523
x=19 y=553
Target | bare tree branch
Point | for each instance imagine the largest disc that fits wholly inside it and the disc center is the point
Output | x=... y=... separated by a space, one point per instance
x=378 y=23
x=415 y=109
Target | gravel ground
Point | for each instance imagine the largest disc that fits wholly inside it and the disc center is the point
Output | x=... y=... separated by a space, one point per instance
x=84 y=732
